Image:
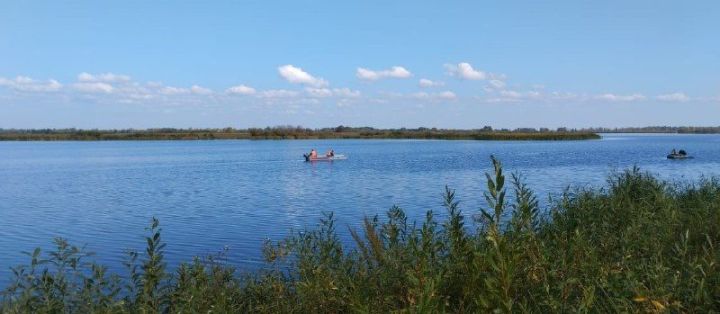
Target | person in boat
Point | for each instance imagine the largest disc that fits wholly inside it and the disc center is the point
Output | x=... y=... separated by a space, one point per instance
x=682 y=152
x=673 y=152
x=313 y=153
x=330 y=153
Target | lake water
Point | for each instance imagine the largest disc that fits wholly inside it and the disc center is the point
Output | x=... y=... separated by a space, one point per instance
x=210 y=195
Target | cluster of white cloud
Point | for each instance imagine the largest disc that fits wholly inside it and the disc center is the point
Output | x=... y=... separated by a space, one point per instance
x=621 y=98
x=99 y=83
x=538 y=95
x=511 y=96
x=94 y=87
x=674 y=97
x=315 y=88
x=241 y=90
x=200 y=90
x=494 y=84
x=326 y=92
x=428 y=83
x=117 y=88
x=446 y=95
x=296 y=75
x=394 y=72
x=503 y=95
x=122 y=88
x=278 y=93
x=170 y=90
x=26 y=84
x=195 y=89
x=104 y=77
x=465 y=71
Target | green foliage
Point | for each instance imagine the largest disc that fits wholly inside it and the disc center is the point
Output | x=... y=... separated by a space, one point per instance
x=640 y=245
x=291 y=132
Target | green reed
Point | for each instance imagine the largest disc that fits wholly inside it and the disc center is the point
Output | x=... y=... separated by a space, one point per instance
x=637 y=245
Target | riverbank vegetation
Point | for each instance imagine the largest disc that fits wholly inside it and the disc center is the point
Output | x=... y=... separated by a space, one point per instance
x=637 y=245
x=658 y=129
x=288 y=132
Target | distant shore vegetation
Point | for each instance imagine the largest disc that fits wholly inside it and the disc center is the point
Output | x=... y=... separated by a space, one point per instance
x=294 y=132
x=639 y=245
x=658 y=129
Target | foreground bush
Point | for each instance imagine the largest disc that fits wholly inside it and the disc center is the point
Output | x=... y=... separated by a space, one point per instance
x=639 y=245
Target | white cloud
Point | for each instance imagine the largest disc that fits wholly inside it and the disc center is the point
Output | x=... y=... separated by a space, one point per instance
x=564 y=96
x=86 y=77
x=428 y=83
x=346 y=92
x=511 y=94
x=503 y=100
x=465 y=71
x=394 y=72
x=26 y=84
x=497 y=84
x=319 y=92
x=674 y=97
x=241 y=90
x=621 y=98
x=53 y=85
x=534 y=94
x=195 y=89
x=445 y=95
x=24 y=80
x=421 y=95
x=337 y=92
x=94 y=87
x=103 y=77
x=169 y=90
x=120 y=89
x=506 y=96
x=296 y=75
x=277 y=93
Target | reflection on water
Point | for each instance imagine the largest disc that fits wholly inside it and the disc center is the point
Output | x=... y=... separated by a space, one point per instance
x=212 y=194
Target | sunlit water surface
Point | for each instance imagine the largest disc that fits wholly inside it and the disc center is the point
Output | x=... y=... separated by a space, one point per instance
x=211 y=195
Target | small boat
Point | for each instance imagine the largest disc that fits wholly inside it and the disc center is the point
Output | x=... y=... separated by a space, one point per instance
x=324 y=158
x=679 y=155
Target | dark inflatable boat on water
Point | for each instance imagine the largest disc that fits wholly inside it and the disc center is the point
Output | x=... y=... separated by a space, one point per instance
x=679 y=155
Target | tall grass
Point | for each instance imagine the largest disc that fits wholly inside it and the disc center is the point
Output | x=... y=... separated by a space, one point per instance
x=638 y=245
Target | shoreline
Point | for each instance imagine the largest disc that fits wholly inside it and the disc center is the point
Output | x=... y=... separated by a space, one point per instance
x=293 y=135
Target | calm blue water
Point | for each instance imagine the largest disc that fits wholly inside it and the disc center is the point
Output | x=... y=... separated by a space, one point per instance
x=214 y=194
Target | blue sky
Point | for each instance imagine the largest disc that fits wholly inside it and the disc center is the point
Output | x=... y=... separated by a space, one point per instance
x=453 y=64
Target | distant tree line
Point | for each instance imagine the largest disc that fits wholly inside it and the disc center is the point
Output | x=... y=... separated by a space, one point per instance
x=280 y=129
x=658 y=129
x=295 y=132
x=290 y=129
x=299 y=132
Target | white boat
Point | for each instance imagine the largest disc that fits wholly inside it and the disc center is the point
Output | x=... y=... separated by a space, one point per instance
x=324 y=158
